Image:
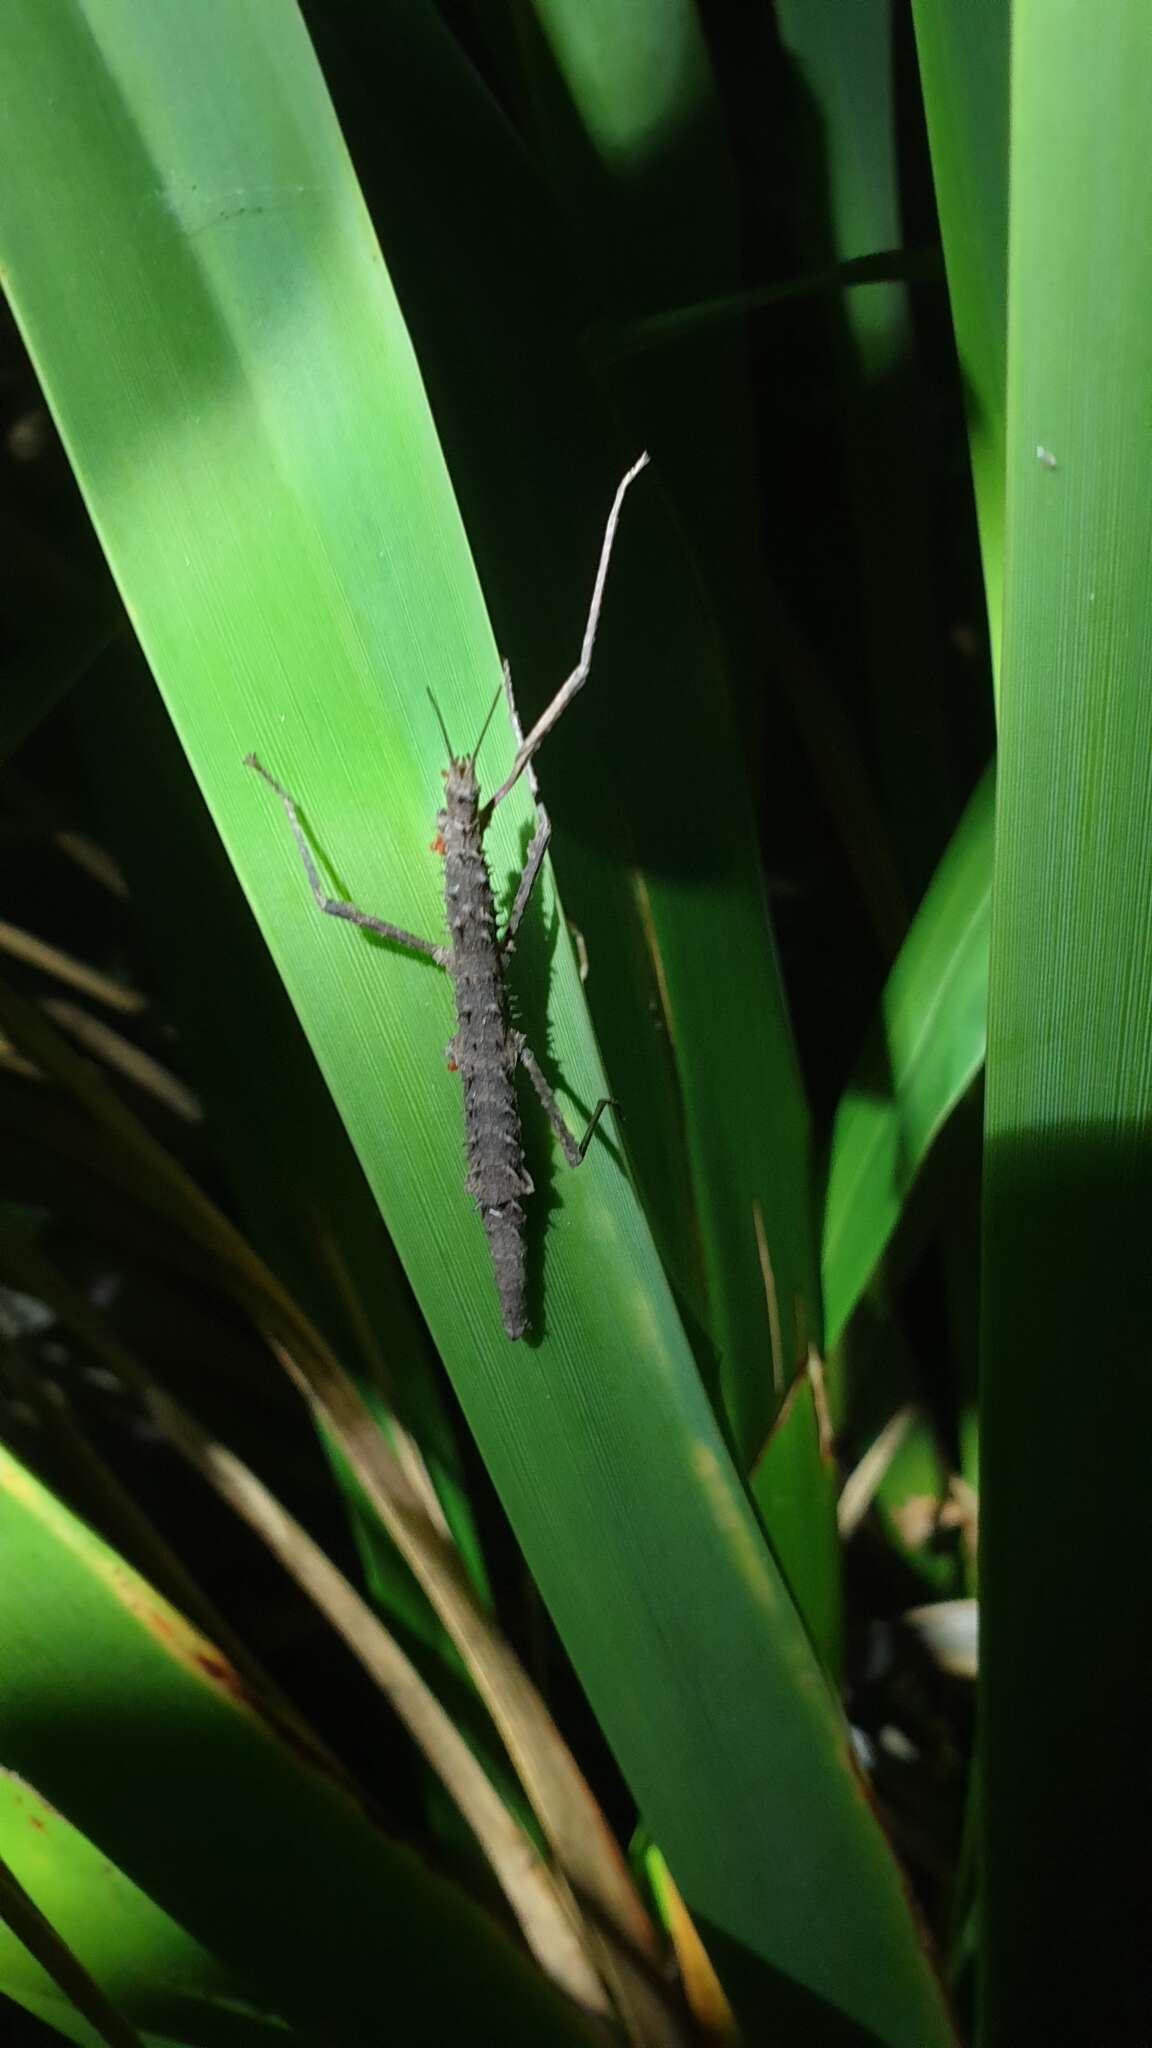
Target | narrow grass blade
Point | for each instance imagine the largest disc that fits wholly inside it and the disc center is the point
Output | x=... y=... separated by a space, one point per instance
x=550 y=1926
x=860 y=1487
x=1066 y=1391
x=963 y=57
x=916 y=1502
x=149 y=1076
x=681 y=323
x=52 y=960
x=39 y=1937
x=795 y=1485
x=926 y=1050
x=713 y=2015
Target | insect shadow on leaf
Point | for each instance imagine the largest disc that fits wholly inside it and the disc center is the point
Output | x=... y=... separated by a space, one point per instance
x=529 y=988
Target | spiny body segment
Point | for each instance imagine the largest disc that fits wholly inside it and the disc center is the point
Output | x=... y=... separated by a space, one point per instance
x=485 y=1049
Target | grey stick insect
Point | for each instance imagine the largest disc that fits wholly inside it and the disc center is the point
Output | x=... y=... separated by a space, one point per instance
x=486 y=1050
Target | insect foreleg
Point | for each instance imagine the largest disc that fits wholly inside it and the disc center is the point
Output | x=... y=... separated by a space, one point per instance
x=579 y=675
x=573 y=1151
x=333 y=906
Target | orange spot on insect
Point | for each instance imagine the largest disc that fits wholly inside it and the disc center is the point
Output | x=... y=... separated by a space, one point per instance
x=35 y=1822
x=452 y=1067
x=437 y=845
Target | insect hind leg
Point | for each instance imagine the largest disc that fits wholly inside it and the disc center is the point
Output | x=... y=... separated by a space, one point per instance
x=572 y=1148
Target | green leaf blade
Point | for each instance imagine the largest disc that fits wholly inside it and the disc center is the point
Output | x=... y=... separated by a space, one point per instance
x=1067 y=1304
x=926 y=1050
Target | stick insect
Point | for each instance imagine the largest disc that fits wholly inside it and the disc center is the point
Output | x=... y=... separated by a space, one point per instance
x=486 y=1050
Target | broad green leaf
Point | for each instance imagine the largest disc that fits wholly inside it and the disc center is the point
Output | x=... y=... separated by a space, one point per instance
x=925 y=1051
x=262 y=1855
x=195 y=274
x=1067 y=1394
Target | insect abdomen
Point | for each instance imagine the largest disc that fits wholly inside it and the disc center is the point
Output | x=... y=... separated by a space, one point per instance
x=496 y=1172
x=504 y=1229
x=484 y=1051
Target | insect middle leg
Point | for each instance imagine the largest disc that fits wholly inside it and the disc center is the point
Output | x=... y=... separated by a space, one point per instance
x=572 y=1149
x=334 y=906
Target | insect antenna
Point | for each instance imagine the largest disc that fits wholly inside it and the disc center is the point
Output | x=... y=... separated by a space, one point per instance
x=486 y=724
x=443 y=727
